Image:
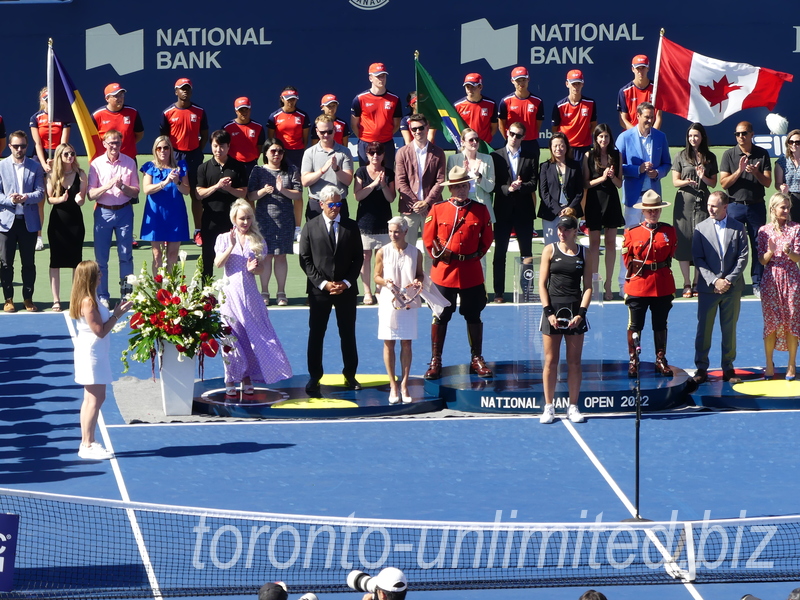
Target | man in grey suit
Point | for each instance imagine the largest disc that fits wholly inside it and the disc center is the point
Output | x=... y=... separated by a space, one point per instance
x=21 y=191
x=719 y=250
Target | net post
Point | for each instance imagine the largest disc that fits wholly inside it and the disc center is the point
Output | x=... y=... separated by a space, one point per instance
x=691 y=558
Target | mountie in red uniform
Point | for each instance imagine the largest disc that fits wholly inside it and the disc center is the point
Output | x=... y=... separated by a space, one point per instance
x=457 y=234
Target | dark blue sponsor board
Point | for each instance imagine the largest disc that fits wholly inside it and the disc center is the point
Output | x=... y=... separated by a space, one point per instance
x=326 y=47
x=9 y=526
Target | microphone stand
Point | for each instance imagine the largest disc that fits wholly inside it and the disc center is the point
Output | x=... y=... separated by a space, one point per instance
x=638 y=394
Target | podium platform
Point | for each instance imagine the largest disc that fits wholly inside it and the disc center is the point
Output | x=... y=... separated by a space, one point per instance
x=288 y=399
x=753 y=393
x=516 y=388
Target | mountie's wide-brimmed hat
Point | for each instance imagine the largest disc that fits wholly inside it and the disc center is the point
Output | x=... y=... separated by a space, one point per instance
x=457 y=175
x=651 y=200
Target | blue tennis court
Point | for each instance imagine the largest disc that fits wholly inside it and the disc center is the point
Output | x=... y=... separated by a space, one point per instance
x=694 y=464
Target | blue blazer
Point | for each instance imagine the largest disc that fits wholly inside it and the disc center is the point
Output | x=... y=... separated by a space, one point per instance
x=632 y=155
x=32 y=184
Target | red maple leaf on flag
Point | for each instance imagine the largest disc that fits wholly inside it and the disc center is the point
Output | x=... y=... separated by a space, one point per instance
x=718 y=91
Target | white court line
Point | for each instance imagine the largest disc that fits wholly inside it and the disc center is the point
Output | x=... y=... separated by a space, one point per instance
x=621 y=495
x=123 y=490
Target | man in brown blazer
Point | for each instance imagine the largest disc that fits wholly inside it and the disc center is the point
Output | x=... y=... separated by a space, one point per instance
x=419 y=172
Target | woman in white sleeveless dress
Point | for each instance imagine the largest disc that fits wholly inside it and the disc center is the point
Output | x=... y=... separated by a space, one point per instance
x=398 y=264
x=92 y=351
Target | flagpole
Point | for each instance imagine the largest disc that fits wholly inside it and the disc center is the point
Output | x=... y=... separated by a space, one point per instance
x=658 y=67
x=50 y=100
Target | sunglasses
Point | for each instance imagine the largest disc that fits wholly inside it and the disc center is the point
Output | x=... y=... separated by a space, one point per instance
x=19 y=146
x=741 y=133
x=417 y=129
x=325 y=131
x=513 y=134
x=793 y=142
x=275 y=151
x=375 y=152
x=162 y=148
x=67 y=154
x=333 y=204
x=473 y=140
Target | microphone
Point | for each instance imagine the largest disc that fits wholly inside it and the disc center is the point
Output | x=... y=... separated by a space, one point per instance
x=637 y=342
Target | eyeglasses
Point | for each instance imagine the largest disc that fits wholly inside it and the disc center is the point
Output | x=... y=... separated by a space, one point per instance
x=114 y=143
x=375 y=152
x=333 y=204
x=514 y=134
x=473 y=140
x=741 y=133
x=417 y=129
x=325 y=131
x=275 y=151
x=19 y=146
x=162 y=148
x=67 y=154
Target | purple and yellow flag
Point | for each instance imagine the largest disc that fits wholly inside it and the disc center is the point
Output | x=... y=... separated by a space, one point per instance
x=65 y=104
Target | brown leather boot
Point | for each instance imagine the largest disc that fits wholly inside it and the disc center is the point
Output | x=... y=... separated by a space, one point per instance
x=633 y=357
x=438 y=333
x=477 y=364
x=660 y=341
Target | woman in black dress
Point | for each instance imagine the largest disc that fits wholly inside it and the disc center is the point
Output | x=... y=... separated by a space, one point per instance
x=66 y=193
x=602 y=171
x=564 y=305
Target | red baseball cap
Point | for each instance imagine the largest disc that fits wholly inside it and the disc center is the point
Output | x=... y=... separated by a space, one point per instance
x=378 y=69
x=575 y=75
x=473 y=79
x=243 y=102
x=289 y=94
x=182 y=82
x=640 y=60
x=328 y=99
x=519 y=72
x=112 y=89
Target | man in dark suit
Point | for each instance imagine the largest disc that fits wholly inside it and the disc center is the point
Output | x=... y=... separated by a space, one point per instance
x=719 y=250
x=331 y=255
x=516 y=178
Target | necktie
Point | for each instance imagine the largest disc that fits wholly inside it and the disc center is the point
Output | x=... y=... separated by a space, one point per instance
x=332 y=235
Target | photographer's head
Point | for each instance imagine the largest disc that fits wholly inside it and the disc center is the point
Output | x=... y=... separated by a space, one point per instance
x=273 y=591
x=389 y=584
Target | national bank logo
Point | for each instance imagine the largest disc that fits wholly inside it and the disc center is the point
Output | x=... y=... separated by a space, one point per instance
x=480 y=40
x=124 y=52
x=369 y=4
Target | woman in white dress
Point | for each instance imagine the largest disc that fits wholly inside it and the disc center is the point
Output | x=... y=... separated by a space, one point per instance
x=92 y=351
x=398 y=264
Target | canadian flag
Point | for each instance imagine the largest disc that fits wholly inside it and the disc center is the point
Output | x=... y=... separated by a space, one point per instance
x=707 y=90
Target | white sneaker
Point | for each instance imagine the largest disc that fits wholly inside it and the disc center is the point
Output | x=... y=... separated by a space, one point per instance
x=39 y=243
x=574 y=415
x=548 y=414
x=94 y=452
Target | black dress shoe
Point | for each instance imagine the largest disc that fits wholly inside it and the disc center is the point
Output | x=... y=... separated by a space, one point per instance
x=730 y=376
x=700 y=377
x=312 y=389
x=351 y=384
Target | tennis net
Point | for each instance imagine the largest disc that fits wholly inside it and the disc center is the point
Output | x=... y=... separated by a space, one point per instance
x=69 y=547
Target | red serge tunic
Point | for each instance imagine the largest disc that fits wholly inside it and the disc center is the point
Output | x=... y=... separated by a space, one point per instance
x=474 y=235
x=636 y=247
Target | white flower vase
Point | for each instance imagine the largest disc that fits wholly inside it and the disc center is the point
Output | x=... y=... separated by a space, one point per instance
x=177 y=382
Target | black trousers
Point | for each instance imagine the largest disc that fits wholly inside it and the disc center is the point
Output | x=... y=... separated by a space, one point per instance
x=659 y=311
x=319 y=311
x=473 y=301
x=18 y=236
x=520 y=219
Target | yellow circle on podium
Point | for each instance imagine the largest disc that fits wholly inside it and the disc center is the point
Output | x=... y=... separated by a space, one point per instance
x=365 y=380
x=774 y=389
x=313 y=403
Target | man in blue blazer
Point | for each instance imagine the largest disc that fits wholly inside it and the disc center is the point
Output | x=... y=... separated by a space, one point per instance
x=719 y=251
x=21 y=191
x=645 y=161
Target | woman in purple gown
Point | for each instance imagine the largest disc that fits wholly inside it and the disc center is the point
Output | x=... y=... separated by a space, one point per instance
x=257 y=354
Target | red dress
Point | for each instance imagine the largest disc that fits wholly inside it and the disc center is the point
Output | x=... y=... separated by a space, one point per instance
x=780 y=283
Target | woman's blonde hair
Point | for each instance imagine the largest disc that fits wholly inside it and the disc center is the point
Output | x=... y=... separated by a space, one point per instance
x=165 y=140
x=84 y=285
x=776 y=199
x=57 y=174
x=253 y=235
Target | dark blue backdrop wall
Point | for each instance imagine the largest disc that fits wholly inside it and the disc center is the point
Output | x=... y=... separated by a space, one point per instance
x=256 y=47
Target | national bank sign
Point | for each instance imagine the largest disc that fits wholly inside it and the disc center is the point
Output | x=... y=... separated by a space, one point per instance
x=175 y=48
